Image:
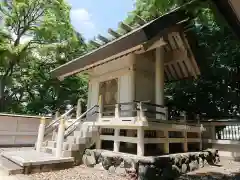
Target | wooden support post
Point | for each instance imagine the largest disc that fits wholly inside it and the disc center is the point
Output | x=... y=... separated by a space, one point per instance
x=54 y=135
x=41 y=132
x=140 y=144
x=166 y=144
x=98 y=140
x=100 y=107
x=117 y=115
x=200 y=136
x=116 y=144
x=60 y=138
x=79 y=108
x=140 y=113
x=185 y=143
x=159 y=78
x=166 y=115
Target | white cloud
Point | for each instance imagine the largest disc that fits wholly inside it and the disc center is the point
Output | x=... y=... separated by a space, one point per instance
x=82 y=21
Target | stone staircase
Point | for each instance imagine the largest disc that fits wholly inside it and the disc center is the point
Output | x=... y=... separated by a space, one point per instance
x=74 y=145
x=54 y=151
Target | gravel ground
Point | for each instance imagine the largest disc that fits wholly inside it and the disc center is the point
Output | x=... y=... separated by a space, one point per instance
x=76 y=173
x=226 y=170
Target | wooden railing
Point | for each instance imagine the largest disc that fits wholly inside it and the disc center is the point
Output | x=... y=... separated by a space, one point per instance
x=135 y=109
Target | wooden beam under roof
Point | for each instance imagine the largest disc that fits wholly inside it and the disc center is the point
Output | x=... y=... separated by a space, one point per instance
x=103 y=39
x=94 y=43
x=125 y=27
x=140 y=20
x=114 y=33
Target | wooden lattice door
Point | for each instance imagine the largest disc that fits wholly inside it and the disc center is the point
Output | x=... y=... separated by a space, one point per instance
x=108 y=90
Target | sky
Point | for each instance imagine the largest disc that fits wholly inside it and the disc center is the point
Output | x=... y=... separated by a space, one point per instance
x=93 y=17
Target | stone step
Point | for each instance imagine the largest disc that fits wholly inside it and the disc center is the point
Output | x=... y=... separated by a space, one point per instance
x=78 y=133
x=52 y=144
x=76 y=140
x=83 y=133
x=65 y=153
x=9 y=167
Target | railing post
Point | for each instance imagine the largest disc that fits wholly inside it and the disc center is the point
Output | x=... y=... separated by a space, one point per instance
x=116 y=143
x=166 y=113
x=100 y=107
x=140 y=113
x=166 y=143
x=117 y=108
x=41 y=131
x=60 y=137
x=57 y=114
x=79 y=108
x=140 y=143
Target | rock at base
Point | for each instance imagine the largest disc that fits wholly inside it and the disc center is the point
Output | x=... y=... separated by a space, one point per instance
x=184 y=168
x=89 y=161
x=112 y=170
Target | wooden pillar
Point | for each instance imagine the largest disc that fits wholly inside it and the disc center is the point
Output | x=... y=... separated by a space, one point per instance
x=116 y=145
x=41 y=131
x=60 y=138
x=54 y=135
x=132 y=90
x=98 y=140
x=132 y=82
x=159 y=77
x=166 y=144
x=117 y=113
x=185 y=143
x=140 y=144
x=100 y=107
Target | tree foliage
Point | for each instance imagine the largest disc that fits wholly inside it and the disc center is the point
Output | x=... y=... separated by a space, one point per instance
x=216 y=92
x=36 y=37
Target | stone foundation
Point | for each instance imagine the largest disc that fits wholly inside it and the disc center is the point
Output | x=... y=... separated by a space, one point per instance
x=143 y=168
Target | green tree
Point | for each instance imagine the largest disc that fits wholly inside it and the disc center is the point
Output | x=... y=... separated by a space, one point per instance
x=37 y=36
x=216 y=91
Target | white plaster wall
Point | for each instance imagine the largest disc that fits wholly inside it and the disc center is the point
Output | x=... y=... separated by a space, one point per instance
x=18 y=129
x=145 y=77
x=145 y=90
x=120 y=69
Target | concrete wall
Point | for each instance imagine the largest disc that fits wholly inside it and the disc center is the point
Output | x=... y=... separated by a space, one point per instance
x=18 y=129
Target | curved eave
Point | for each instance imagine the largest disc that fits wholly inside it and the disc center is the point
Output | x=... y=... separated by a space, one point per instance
x=125 y=42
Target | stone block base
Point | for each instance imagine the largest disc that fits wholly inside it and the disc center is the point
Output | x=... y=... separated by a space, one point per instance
x=160 y=167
